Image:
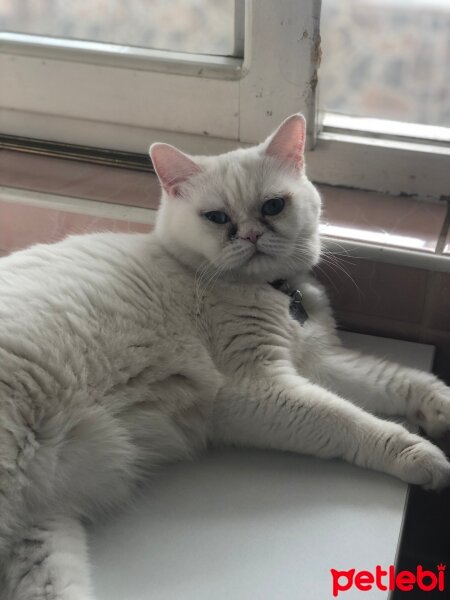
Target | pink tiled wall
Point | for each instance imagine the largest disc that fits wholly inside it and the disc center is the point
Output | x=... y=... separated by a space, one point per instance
x=392 y=301
x=23 y=225
x=79 y=179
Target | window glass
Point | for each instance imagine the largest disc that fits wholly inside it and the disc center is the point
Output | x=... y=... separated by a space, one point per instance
x=199 y=26
x=387 y=59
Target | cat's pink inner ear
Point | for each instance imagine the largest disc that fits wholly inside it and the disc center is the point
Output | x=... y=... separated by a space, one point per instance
x=287 y=144
x=172 y=167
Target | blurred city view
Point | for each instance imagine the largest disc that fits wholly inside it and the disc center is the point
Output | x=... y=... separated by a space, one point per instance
x=388 y=59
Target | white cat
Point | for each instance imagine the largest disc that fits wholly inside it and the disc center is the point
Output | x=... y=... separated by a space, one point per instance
x=121 y=352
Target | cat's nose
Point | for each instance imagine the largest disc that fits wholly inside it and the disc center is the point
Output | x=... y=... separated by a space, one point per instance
x=252 y=236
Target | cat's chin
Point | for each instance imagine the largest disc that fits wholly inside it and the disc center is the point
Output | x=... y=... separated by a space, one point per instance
x=262 y=267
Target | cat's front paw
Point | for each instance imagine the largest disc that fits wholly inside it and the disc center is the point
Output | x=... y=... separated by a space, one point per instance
x=431 y=410
x=420 y=462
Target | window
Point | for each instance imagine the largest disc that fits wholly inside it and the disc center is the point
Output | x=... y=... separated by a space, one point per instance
x=387 y=59
x=385 y=95
x=58 y=89
x=123 y=97
x=178 y=25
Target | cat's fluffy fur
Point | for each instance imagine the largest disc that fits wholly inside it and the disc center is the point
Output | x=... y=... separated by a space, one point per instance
x=121 y=352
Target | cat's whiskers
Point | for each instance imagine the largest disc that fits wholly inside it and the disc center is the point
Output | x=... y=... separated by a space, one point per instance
x=211 y=280
x=333 y=260
x=199 y=274
x=334 y=263
x=301 y=252
x=197 y=280
x=325 y=274
x=202 y=273
x=236 y=255
x=208 y=272
x=200 y=320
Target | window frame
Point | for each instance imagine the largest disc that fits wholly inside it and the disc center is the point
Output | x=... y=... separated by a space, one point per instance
x=382 y=156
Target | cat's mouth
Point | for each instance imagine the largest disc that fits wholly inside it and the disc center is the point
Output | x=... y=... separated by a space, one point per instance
x=257 y=254
x=248 y=257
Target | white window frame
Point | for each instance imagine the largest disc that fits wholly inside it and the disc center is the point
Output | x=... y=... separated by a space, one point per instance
x=125 y=98
x=385 y=156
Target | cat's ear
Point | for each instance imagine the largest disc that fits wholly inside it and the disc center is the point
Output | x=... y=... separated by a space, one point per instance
x=287 y=144
x=172 y=166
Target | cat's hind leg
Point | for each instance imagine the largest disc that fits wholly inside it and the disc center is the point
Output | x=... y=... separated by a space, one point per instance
x=78 y=466
x=384 y=387
x=49 y=561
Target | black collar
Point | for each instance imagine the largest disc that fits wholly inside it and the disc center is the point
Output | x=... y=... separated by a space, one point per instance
x=296 y=308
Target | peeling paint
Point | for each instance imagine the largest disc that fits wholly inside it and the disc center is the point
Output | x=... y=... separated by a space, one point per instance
x=316 y=57
x=316 y=53
x=312 y=83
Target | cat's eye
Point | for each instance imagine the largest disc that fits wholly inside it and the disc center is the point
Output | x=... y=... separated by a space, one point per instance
x=272 y=207
x=217 y=216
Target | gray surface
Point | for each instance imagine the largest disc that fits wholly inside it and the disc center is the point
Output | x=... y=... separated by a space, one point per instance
x=419 y=356
x=244 y=525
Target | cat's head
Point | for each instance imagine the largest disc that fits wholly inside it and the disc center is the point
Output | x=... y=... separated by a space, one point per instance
x=250 y=213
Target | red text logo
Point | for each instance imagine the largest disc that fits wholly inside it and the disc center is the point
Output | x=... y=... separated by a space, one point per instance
x=389 y=579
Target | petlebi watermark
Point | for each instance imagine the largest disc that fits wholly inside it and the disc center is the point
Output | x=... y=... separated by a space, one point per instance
x=388 y=579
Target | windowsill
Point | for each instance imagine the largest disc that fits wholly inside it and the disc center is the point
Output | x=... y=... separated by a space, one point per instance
x=391 y=229
x=399 y=230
